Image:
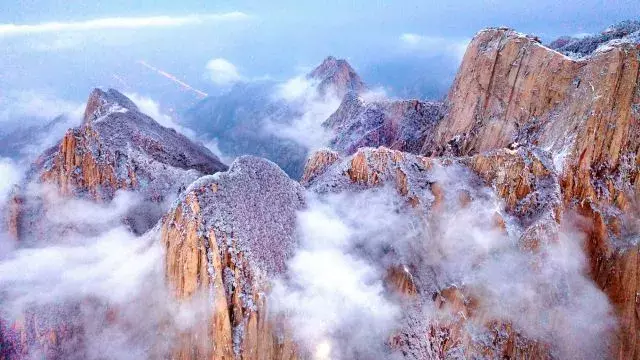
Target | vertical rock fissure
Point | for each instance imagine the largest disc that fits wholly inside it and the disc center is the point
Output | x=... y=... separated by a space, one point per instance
x=521 y=56
x=491 y=77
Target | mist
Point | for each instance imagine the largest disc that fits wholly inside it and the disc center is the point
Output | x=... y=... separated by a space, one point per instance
x=81 y=269
x=337 y=295
x=332 y=294
x=373 y=276
x=34 y=121
x=88 y=273
x=11 y=175
x=310 y=109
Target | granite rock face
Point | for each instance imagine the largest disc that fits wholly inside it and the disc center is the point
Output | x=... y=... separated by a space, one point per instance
x=505 y=81
x=398 y=124
x=338 y=76
x=531 y=195
x=227 y=237
x=513 y=92
x=548 y=135
x=116 y=148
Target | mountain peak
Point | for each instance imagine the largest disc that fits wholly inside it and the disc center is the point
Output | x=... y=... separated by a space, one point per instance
x=338 y=74
x=329 y=67
x=101 y=103
x=330 y=62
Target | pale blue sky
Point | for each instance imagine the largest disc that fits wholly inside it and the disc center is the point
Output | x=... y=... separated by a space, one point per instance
x=398 y=44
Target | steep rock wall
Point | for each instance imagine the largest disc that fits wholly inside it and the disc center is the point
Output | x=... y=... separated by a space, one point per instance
x=529 y=188
x=511 y=91
x=116 y=148
x=225 y=239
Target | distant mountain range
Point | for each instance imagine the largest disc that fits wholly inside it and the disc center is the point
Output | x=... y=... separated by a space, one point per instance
x=249 y=118
x=238 y=120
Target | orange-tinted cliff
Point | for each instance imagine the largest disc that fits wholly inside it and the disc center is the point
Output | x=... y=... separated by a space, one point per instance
x=524 y=182
x=116 y=148
x=336 y=77
x=226 y=239
x=512 y=91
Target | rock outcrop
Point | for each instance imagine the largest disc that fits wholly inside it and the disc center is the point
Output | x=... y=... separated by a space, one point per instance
x=550 y=135
x=524 y=180
x=336 y=75
x=514 y=93
x=505 y=81
x=227 y=237
x=116 y=148
x=626 y=31
x=527 y=184
x=511 y=91
x=397 y=124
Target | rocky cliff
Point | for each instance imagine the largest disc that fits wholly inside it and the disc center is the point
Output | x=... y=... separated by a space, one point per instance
x=531 y=195
x=398 y=124
x=511 y=91
x=337 y=75
x=495 y=195
x=227 y=238
x=539 y=134
x=116 y=148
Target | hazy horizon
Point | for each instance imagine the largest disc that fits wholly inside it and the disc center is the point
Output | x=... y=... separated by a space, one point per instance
x=56 y=51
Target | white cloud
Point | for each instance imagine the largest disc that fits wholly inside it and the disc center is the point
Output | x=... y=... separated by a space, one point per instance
x=22 y=110
x=117 y=23
x=222 y=72
x=18 y=105
x=310 y=110
x=87 y=265
x=60 y=42
x=544 y=294
x=297 y=88
x=412 y=39
x=375 y=94
x=32 y=121
x=212 y=145
x=152 y=108
x=434 y=44
x=582 y=35
x=321 y=301
x=10 y=176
